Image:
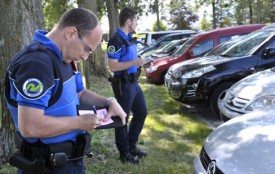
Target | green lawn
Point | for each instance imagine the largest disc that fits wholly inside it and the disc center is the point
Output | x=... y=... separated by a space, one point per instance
x=171 y=138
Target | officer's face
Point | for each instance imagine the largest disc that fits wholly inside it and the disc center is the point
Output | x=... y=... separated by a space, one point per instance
x=82 y=46
x=133 y=24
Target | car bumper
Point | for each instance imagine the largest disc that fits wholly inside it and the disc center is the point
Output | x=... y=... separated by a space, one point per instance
x=185 y=92
x=153 y=77
x=198 y=167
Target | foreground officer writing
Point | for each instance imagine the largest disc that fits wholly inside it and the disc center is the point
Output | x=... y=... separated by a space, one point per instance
x=45 y=88
x=125 y=64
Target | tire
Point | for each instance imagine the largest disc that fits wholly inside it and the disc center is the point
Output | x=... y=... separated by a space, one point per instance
x=217 y=95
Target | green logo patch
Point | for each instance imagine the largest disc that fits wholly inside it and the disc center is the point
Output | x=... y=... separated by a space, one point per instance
x=32 y=87
x=111 y=49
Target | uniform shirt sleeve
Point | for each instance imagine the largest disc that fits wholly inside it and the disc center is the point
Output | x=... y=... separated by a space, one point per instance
x=32 y=82
x=115 y=48
x=79 y=82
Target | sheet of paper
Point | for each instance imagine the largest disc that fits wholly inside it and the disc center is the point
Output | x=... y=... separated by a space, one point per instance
x=101 y=113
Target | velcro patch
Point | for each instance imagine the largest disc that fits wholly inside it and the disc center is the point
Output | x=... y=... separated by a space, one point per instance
x=111 y=49
x=32 y=87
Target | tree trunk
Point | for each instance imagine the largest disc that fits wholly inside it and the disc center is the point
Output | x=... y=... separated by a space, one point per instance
x=112 y=16
x=214 y=14
x=18 y=21
x=97 y=62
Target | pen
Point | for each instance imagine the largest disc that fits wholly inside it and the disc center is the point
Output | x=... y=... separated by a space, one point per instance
x=94 y=109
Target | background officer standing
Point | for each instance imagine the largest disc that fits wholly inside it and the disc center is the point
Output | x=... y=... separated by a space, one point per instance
x=123 y=61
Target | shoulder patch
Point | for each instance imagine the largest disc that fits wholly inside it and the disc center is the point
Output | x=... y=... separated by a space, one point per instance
x=111 y=49
x=32 y=87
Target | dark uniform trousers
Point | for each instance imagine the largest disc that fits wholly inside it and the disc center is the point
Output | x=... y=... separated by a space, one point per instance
x=131 y=98
x=71 y=167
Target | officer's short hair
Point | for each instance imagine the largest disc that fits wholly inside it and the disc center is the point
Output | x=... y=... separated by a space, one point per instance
x=83 y=20
x=126 y=13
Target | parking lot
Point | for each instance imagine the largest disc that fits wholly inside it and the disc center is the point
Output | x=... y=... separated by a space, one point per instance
x=203 y=114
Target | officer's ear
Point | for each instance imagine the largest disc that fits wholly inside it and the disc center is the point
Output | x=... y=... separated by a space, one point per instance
x=129 y=22
x=70 y=32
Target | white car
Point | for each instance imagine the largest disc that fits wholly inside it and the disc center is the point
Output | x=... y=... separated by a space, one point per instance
x=243 y=145
x=249 y=94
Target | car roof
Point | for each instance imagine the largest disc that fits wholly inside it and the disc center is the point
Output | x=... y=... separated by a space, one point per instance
x=231 y=29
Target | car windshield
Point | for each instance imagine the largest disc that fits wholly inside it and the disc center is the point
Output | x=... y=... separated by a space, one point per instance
x=248 y=46
x=184 y=47
x=218 y=50
x=167 y=47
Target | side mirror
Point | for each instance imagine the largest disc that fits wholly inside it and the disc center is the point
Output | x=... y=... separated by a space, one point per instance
x=268 y=52
x=189 y=54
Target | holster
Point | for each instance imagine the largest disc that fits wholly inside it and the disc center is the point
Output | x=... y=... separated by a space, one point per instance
x=29 y=166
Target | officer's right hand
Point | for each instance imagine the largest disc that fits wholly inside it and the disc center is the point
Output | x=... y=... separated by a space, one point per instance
x=139 y=62
x=89 y=121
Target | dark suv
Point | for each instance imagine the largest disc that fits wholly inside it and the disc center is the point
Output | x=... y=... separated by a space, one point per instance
x=206 y=80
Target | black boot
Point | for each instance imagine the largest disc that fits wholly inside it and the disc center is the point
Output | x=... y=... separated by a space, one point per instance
x=128 y=157
x=136 y=152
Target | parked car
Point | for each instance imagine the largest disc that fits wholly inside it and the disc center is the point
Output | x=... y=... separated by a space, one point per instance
x=249 y=94
x=206 y=80
x=150 y=38
x=165 y=50
x=165 y=40
x=243 y=145
x=196 y=46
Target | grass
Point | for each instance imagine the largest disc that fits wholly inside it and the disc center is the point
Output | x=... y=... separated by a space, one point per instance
x=171 y=138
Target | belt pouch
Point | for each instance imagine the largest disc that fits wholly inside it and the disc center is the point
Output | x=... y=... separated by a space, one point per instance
x=83 y=145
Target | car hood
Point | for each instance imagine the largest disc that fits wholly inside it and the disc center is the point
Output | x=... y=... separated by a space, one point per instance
x=259 y=84
x=199 y=62
x=244 y=144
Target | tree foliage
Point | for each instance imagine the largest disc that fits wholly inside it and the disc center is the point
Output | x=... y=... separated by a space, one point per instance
x=182 y=14
x=53 y=9
x=159 y=27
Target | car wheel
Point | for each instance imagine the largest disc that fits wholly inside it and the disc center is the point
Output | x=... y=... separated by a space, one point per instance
x=217 y=95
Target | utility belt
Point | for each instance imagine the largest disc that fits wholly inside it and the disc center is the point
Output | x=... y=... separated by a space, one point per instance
x=132 y=77
x=38 y=157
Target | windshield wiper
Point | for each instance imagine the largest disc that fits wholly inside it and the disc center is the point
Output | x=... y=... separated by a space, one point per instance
x=225 y=55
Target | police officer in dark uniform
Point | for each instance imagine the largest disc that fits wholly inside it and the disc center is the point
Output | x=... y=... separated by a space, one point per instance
x=51 y=137
x=125 y=64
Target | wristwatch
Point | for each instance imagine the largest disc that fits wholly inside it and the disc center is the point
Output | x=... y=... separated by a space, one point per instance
x=107 y=101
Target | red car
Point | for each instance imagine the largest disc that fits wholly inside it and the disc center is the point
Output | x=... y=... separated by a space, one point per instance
x=194 y=47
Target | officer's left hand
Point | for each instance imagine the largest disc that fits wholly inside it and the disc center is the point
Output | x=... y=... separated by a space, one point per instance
x=116 y=110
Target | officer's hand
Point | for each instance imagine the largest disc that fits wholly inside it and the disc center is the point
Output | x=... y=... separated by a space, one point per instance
x=139 y=62
x=89 y=121
x=116 y=110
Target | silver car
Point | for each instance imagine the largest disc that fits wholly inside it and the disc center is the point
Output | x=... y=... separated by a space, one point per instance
x=249 y=94
x=243 y=145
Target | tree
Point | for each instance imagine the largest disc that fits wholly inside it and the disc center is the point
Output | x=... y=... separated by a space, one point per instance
x=53 y=10
x=19 y=19
x=97 y=62
x=182 y=14
x=159 y=26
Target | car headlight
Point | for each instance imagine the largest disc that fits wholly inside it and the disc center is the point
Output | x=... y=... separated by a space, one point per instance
x=198 y=72
x=177 y=73
x=151 y=69
x=262 y=102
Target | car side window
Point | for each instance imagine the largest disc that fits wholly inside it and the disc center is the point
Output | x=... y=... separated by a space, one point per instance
x=227 y=38
x=203 y=47
x=272 y=43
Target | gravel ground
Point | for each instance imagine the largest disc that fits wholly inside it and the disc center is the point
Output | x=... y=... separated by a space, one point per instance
x=203 y=114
